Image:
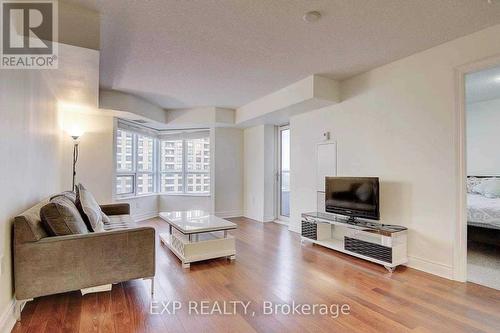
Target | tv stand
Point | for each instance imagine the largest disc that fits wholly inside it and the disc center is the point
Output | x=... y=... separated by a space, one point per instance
x=351 y=220
x=379 y=243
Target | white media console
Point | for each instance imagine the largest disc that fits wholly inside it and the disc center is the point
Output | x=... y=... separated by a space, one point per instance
x=380 y=243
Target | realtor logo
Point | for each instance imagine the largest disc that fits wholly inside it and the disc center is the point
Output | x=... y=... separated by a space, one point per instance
x=29 y=34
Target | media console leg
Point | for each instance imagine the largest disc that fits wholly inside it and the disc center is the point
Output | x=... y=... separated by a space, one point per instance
x=390 y=269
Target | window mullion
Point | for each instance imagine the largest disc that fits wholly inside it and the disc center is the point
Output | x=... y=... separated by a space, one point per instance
x=134 y=157
x=184 y=166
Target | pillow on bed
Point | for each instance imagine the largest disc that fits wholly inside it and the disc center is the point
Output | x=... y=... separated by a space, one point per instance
x=489 y=188
x=472 y=183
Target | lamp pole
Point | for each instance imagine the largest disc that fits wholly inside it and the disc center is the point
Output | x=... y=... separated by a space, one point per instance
x=75 y=158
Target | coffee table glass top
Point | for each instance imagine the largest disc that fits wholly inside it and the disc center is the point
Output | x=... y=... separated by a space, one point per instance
x=196 y=221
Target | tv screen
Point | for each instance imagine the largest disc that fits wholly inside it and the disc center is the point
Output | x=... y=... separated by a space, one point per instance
x=353 y=196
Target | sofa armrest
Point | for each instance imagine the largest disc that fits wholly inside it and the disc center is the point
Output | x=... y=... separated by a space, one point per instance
x=60 y=264
x=116 y=209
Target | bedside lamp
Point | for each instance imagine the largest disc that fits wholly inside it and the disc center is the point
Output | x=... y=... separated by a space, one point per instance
x=76 y=132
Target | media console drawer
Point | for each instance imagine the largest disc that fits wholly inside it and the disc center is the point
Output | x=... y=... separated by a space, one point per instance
x=309 y=230
x=315 y=231
x=368 y=249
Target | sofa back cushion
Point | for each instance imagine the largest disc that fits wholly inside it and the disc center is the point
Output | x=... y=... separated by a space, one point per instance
x=61 y=217
x=89 y=209
x=68 y=194
x=28 y=225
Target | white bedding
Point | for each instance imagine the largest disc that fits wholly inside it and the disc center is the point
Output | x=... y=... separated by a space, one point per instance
x=483 y=211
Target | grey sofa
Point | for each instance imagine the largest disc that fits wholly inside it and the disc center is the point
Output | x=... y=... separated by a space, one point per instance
x=45 y=265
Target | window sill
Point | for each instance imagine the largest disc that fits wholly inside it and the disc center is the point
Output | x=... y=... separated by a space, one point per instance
x=184 y=195
x=128 y=197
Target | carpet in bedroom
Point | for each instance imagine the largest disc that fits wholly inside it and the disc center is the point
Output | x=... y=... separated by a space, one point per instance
x=483 y=264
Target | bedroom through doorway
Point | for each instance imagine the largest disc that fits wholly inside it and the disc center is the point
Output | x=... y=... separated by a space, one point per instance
x=482 y=108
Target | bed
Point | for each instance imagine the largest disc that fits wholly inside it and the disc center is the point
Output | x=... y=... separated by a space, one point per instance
x=482 y=211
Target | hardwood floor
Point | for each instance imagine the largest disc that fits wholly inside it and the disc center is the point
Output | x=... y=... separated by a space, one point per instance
x=272 y=265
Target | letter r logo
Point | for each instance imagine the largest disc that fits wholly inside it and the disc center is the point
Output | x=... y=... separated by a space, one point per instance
x=27 y=27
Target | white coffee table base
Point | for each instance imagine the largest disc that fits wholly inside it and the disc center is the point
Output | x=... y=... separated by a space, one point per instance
x=204 y=246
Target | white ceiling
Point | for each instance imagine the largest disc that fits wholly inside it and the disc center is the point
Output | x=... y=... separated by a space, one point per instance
x=483 y=85
x=227 y=53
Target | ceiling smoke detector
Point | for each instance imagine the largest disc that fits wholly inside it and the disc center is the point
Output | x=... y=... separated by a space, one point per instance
x=311 y=16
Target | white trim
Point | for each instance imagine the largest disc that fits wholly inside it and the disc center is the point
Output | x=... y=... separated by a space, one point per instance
x=269 y=218
x=229 y=214
x=278 y=221
x=279 y=170
x=144 y=216
x=430 y=266
x=459 y=268
x=261 y=219
x=8 y=317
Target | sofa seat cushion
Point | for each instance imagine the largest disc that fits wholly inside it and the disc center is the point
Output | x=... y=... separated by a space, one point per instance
x=119 y=222
x=61 y=217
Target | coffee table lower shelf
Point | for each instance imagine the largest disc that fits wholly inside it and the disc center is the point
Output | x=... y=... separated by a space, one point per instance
x=207 y=246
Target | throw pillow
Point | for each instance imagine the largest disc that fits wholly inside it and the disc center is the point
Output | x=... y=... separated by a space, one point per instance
x=491 y=188
x=105 y=218
x=89 y=208
x=61 y=217
x=472 y=183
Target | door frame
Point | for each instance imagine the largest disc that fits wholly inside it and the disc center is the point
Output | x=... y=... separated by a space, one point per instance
x=278 y=173
x=460 y=243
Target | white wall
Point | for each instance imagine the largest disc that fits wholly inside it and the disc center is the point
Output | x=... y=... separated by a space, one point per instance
x=483 y=138
x=184 y=202
x=269 y=173
x=33 y=142
x=397 y=122
x=95 y=163
x=254 y=172
x=228 y=165
x=259 y=157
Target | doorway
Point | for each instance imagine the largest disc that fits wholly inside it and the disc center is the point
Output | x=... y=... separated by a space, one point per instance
x=283 y=173
x=482 y=159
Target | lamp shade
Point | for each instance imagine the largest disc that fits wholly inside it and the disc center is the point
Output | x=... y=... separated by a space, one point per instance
x=75 y=131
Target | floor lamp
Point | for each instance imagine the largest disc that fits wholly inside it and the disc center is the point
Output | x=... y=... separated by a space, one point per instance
x=75 y=158
x=76 y=133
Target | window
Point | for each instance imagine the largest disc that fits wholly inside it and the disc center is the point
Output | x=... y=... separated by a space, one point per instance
x=135 y=163
x=170 y=163
x=171 y=166
x=145 y=165
x=185 y=166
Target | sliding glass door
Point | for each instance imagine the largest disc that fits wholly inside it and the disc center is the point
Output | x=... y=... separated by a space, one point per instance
x=284 y=173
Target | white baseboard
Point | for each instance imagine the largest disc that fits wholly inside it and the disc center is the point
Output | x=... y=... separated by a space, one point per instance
x=281 y=222
x=144 y=216
x=229 y=213
x=8 y=317
x=431 y=267
x=264 y=219
x=270 y=218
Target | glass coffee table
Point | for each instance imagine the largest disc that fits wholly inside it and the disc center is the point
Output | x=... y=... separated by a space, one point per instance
x=196 y=235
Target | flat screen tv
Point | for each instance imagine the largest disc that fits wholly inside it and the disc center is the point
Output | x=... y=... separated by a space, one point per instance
x=353 y=197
